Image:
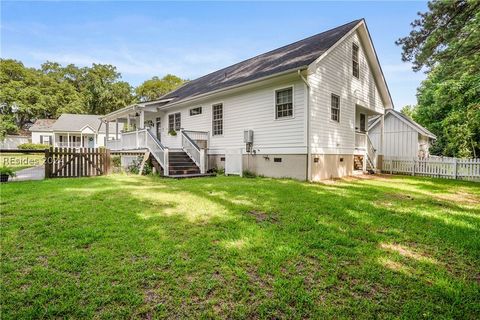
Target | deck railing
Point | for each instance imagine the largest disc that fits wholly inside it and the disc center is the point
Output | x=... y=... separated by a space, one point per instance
x=363 y=143
x=197 y=135
x=141 y=139
x=76 y=144
x=360 y=140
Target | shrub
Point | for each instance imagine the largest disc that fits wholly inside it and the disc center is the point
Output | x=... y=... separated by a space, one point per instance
x=7 y=171
x=33 y=146
x=172 y=132
x=134 y=167
x=249 y=174
x=116 y=161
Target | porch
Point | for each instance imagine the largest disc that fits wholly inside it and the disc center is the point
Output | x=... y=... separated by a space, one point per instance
x=74 y=140
x=365 y=155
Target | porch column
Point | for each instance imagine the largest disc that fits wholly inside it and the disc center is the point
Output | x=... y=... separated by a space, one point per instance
x=382 y=133
x=142 y=119
x=68 y=139
x=106 y=130
x=128 y=123
x=81 y=139
x=116 y=129
x=53 y=142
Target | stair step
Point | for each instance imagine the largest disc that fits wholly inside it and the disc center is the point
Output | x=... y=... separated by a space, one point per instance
x=183 y=172
x=194 y=175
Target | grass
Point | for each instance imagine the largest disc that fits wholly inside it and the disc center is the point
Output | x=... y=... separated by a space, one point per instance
x=19 y=161
x=227 y=247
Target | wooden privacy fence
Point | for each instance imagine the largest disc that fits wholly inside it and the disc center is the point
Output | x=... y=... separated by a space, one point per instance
x=76 y=162
x=451 y=168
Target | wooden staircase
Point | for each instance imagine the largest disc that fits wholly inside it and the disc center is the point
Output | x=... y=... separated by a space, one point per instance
x=358 y=162
x=181 y=165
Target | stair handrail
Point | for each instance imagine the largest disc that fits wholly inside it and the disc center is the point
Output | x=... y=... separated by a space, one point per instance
x=193 y=151
x=371 y=152
x=158 y=150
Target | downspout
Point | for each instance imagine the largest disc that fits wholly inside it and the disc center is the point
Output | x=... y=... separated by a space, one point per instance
x=309 y=153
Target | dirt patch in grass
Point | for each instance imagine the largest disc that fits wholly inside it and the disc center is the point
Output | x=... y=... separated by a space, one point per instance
x=263 y=216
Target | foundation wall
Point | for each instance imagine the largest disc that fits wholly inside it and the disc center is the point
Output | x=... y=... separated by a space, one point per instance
x=328 y=166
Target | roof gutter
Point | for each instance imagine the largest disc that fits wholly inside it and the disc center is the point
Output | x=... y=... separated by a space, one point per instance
x=309 y=155
x=132 y=106
x=211 y=93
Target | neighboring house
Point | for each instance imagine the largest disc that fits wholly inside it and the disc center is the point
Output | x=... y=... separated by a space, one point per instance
x=71 y=130
x=300 y=111
x=403 y=137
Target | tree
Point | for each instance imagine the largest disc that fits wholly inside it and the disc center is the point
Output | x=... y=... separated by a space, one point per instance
x=409 y=111
x=155 y=88
x=446 y=43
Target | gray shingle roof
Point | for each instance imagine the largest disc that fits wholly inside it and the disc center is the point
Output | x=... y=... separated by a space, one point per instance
x=42 y=125
x=293 y=56
x=76 y=122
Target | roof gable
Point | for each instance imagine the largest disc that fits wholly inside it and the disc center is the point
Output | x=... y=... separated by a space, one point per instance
x=407 y=120
x=295 y=56
x=373 y=62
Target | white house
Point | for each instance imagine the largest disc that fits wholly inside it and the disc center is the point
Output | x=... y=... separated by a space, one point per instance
x=403 y=137
x=300 y=111
x=71 y=130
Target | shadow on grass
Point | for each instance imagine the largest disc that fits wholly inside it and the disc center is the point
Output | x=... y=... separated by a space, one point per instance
x=136 y=246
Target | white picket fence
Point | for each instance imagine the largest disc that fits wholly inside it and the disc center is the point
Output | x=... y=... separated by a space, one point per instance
x=449 y=168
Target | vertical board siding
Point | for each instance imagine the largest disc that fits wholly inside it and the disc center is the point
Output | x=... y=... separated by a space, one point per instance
x=400 y=139
x=449 y=168
x=333 y=74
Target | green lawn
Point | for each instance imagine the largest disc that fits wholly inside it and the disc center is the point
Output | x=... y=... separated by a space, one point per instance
x=19 y=161
x=229 y=247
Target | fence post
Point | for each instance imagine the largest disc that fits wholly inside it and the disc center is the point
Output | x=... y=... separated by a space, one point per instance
x=455 y=172
x=166 y=170
x=413 y=172
x=47 y=163
x=202 y=161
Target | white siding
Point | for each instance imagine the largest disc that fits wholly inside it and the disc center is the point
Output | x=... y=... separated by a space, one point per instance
x=333 y=74
x=400 y=139
x=249 y=109
x=36 y=136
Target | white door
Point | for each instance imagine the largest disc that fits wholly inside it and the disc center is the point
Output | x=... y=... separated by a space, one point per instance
x=91 y=142
x=233 y=161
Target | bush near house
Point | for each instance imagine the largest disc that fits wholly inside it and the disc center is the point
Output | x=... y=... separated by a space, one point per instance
x=228 y=247
x=33 y=146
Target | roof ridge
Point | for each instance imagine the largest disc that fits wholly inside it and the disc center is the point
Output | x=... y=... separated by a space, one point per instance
x=262 y=54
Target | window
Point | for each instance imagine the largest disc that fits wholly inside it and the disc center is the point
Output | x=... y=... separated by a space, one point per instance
x=284 y=103
x=355 y=64
x=174 y=122
x=335 y=106
x=217 y=119
x=46 y=140
x=195 y=111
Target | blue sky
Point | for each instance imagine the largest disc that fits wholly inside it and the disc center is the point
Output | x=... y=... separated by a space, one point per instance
x=190 y=39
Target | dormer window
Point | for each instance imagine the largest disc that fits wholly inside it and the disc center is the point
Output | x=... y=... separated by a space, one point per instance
x=355 y=64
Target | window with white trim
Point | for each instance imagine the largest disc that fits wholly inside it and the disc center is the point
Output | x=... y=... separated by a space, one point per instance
x=335 y=108
x=217 y=119
x=284 y=103
x=355 y=61
x=174 y=121
x=195 y=111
